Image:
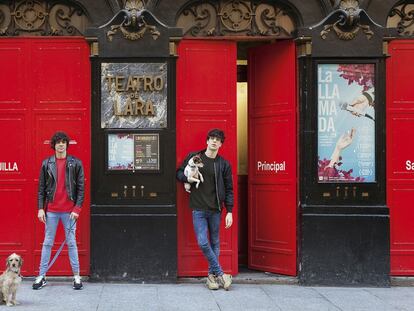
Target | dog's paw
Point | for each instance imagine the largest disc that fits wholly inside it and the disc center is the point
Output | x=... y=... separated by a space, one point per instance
x=15 y=303
x=9 y=304
x=188 y=191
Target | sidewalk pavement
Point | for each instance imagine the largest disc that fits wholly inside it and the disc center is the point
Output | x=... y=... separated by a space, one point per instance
x=194 y=296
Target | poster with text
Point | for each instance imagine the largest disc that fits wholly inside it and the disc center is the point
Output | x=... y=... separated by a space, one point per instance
x=346 y=123
x=120 y=152
x=147 y=155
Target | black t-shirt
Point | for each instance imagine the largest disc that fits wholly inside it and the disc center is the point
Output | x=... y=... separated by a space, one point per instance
x=205 y=197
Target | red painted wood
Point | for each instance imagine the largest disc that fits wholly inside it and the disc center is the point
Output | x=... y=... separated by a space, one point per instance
x=400 y=175
x=206 y=99
x=44 y=88
x=272 y=139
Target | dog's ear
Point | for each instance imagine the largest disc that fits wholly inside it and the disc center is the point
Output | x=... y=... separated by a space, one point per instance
x=20 y=261
x=8 y=262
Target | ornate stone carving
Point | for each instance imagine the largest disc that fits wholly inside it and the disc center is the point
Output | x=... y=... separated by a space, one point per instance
x=402 y=18
x=345 y=21
x=35 y=17
x=236 y=18
x=132 y=22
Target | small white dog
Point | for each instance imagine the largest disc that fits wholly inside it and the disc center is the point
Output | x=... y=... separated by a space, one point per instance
x=10 y=280
x=192 y=172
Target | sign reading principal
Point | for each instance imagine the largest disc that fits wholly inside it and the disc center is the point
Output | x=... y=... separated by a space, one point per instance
x=133 y=95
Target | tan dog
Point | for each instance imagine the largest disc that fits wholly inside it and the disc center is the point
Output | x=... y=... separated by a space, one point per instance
x=10 y=280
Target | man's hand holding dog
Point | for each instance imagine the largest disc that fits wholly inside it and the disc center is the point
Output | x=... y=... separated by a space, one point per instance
x=41 y=215
x=229 y=220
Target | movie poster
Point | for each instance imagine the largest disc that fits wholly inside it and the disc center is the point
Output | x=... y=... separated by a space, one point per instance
x=120 y=152
x=346 y=123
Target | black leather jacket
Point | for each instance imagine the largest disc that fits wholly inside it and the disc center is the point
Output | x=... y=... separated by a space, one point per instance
x=74 y=181
x=224 y=179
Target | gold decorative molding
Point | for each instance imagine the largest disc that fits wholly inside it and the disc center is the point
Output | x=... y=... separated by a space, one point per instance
x=385 y=48
x=42 y=18
x=133 y=24
x=345 y=21
x=173 y=48
x=236 y=18
x=402 y=18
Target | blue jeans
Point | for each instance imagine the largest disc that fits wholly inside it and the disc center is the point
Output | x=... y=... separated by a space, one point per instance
x=52 y=222
x=206 y=222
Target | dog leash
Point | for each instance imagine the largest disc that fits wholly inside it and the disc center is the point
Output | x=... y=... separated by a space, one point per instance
x=60 y=248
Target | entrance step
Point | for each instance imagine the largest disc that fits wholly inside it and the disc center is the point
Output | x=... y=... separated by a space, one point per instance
x=246 y=276
x=405 y=281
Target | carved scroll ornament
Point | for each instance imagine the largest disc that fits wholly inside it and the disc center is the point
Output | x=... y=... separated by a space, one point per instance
x=131 y=21
x=402 y=18
x=41 y=18
x=242 y=18
x=345 y=21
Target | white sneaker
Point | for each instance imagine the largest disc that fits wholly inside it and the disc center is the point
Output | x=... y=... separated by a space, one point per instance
x=39 y=282
x=212 y=282
x=225 y=281
x=77 y=282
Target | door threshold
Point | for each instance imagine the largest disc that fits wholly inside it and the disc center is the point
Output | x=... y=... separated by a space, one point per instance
x=403 y=281
x=247 y=276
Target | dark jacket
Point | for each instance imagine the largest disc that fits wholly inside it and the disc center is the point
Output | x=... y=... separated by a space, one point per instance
x=74 y=181
x=223 y=178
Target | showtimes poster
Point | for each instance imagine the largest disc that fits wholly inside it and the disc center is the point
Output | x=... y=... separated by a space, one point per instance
x=346 y=123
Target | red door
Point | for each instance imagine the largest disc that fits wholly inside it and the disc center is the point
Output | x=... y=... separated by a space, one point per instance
x=44 y=88
x=206 y=99
x=272 y=158
x=400 y=155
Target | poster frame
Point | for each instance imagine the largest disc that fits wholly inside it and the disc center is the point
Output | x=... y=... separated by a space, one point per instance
x=134 y=171
x=356 y=122
x=338 y=193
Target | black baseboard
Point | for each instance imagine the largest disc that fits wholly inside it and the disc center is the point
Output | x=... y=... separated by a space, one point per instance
x=345 y=246
x=134 y=248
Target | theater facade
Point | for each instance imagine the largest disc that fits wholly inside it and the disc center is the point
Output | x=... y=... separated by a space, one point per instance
x=315 y=98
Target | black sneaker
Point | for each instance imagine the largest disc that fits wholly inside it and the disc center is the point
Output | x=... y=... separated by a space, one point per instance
x=77 y=282
x=39 y=282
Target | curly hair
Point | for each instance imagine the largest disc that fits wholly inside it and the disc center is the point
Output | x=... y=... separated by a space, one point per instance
x=217 y=133
x=57 y=137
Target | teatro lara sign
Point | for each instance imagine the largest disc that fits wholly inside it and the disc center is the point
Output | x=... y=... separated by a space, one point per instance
x=133 y=95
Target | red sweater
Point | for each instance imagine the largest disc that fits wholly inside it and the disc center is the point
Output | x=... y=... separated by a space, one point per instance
x=61 y=202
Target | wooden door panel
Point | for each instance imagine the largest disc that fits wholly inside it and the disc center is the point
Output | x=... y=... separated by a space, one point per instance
x=272 y=158
x=270 y=224
x=13 y=237
x=14 y=156
x=58 y=86
x=401 y=125
x=269 y=134
x=206 y=99
x=13 y=69
x=400 y=155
